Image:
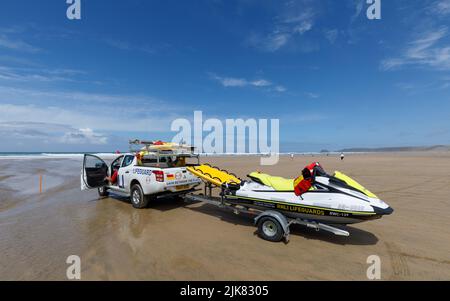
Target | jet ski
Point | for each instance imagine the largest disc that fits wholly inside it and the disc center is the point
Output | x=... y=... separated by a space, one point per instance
x=335 y=199
x=315 y=199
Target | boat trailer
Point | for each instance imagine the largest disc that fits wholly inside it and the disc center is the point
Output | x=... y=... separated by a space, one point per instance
x=272 y=225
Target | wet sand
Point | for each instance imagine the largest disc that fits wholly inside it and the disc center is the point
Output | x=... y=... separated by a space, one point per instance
x=172 y=240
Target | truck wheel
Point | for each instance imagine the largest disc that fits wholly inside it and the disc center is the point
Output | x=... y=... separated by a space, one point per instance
x=103 y=191
x=138 y=199
x=270 y=229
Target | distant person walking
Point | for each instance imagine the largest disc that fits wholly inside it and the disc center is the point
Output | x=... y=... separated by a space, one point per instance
x=342 y=156
x=292 y=156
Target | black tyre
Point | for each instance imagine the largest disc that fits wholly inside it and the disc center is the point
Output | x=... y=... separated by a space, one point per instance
x=270 y=229
x=103 y=191
x=138 y=199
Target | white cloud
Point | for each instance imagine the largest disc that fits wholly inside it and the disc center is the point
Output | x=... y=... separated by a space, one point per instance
x=46 y=97
x=36 y=130
x=302 y=28
x=12 y=29
x=441 y=7
x=116 y=119
x=37 y=74
x=261 y=83
x=18 y=45
x=331 y=35
x=426 y=50
x=359 y=5
x=78 y=118
x=18 y=61
x=242 y=82
x=291 y=23
x=84 y=136
x=50 y=132
x=232 y=82
x=275 y=41
x=280 y=89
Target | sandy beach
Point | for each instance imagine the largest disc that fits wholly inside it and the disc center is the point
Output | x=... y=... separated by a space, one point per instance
x=173 y=240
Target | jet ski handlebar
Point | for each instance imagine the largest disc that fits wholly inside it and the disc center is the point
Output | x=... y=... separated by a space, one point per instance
x=233 y=186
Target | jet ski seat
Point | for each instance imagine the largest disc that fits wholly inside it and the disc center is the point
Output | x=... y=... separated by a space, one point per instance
x=277 y=183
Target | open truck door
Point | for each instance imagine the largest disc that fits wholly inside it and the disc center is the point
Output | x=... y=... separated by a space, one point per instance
x=93 y=173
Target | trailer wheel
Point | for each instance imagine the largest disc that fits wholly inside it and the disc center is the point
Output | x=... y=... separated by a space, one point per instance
x=138 y=199
x=270 y=229
x=103 y=191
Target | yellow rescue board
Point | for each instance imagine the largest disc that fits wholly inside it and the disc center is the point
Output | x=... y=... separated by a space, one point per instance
x=213 y=174
x=165 y=146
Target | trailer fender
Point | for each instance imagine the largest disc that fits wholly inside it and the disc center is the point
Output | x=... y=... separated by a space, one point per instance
x=278 y=216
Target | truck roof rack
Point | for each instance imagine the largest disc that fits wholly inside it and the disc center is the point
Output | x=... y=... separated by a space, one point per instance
x=163 y=148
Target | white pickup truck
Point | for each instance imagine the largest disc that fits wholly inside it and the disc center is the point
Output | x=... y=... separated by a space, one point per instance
x=141 y=180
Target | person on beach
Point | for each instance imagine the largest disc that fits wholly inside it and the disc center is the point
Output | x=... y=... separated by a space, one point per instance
x=139 y=157
x=113 y=179
x=342 y=156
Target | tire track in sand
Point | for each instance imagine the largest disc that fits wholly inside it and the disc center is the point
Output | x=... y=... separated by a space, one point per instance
x=400 y=269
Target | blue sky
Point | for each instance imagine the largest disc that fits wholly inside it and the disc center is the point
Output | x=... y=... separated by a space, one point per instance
x=333 y=77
